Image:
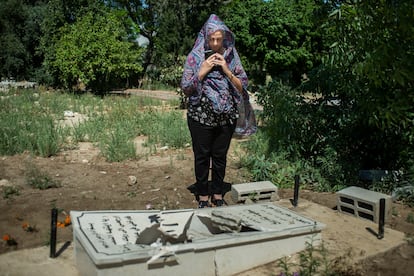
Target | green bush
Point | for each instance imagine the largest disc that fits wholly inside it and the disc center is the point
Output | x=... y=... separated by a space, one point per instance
x=325 y=134
x=10 y=191
x=95 y=52
x=315 y=260
x=278 y=168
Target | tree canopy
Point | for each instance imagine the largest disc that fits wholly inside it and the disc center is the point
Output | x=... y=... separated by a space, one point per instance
x=278 y=38
x=95 y=51
x=358 y=113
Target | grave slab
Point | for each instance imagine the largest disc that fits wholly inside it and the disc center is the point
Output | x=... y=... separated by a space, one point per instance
x=210 y=241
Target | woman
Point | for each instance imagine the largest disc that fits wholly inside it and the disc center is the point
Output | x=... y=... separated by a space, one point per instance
x=215 y=82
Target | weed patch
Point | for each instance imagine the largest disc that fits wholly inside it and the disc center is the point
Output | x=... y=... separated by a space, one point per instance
x=10 y=191
x=38 y=179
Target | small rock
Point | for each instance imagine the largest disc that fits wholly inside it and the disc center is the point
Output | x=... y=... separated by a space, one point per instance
x=132 y=180
x=248 y=201
x=5 y=183
x=68 y=113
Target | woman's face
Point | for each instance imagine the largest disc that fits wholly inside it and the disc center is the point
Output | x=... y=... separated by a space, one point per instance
x=216 y=41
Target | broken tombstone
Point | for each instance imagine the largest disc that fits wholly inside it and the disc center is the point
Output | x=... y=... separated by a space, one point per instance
x=210 y=241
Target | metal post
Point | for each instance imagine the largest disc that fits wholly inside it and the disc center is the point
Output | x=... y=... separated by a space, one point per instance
x=53 y=228
x=381 y=220
x=296 y=191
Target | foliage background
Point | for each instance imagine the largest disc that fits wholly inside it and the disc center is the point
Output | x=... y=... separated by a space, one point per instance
x=334 y=77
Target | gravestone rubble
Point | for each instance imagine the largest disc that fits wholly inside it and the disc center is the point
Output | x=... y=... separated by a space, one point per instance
x=210 y=241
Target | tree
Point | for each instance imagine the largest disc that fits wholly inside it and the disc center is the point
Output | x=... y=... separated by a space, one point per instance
x=95 y=51
x=361 y=115
x=371 y=64
x=57 y=14
x=277 y=38
x=170 y=26
x=19 y=39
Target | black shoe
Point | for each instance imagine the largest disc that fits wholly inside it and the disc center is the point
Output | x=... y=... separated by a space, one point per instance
x=218 y=202
x=203 y=204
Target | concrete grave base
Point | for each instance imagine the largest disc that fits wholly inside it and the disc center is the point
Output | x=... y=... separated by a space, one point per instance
x=363 y=203
x=210 y=241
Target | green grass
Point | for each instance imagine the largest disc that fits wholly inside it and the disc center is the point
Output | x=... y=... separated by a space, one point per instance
x=27 y=125
x=31 y=121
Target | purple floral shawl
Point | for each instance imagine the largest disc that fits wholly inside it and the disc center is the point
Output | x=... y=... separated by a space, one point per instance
x=216 y=86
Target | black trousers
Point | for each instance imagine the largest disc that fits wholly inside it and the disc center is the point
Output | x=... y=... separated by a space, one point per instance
x=210 y=143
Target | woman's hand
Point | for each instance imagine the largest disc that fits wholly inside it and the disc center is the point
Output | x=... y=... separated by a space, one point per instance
x=219 y=60
x=206 y=66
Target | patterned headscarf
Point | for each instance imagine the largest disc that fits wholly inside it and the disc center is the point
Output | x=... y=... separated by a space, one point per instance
x=216 y=86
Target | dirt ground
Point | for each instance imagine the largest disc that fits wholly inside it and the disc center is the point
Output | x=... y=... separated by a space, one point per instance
x=88 y=182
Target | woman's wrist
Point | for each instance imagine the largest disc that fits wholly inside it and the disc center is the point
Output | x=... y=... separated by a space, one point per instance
x=235 y=81
x=201 y=75
x=230 y=75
